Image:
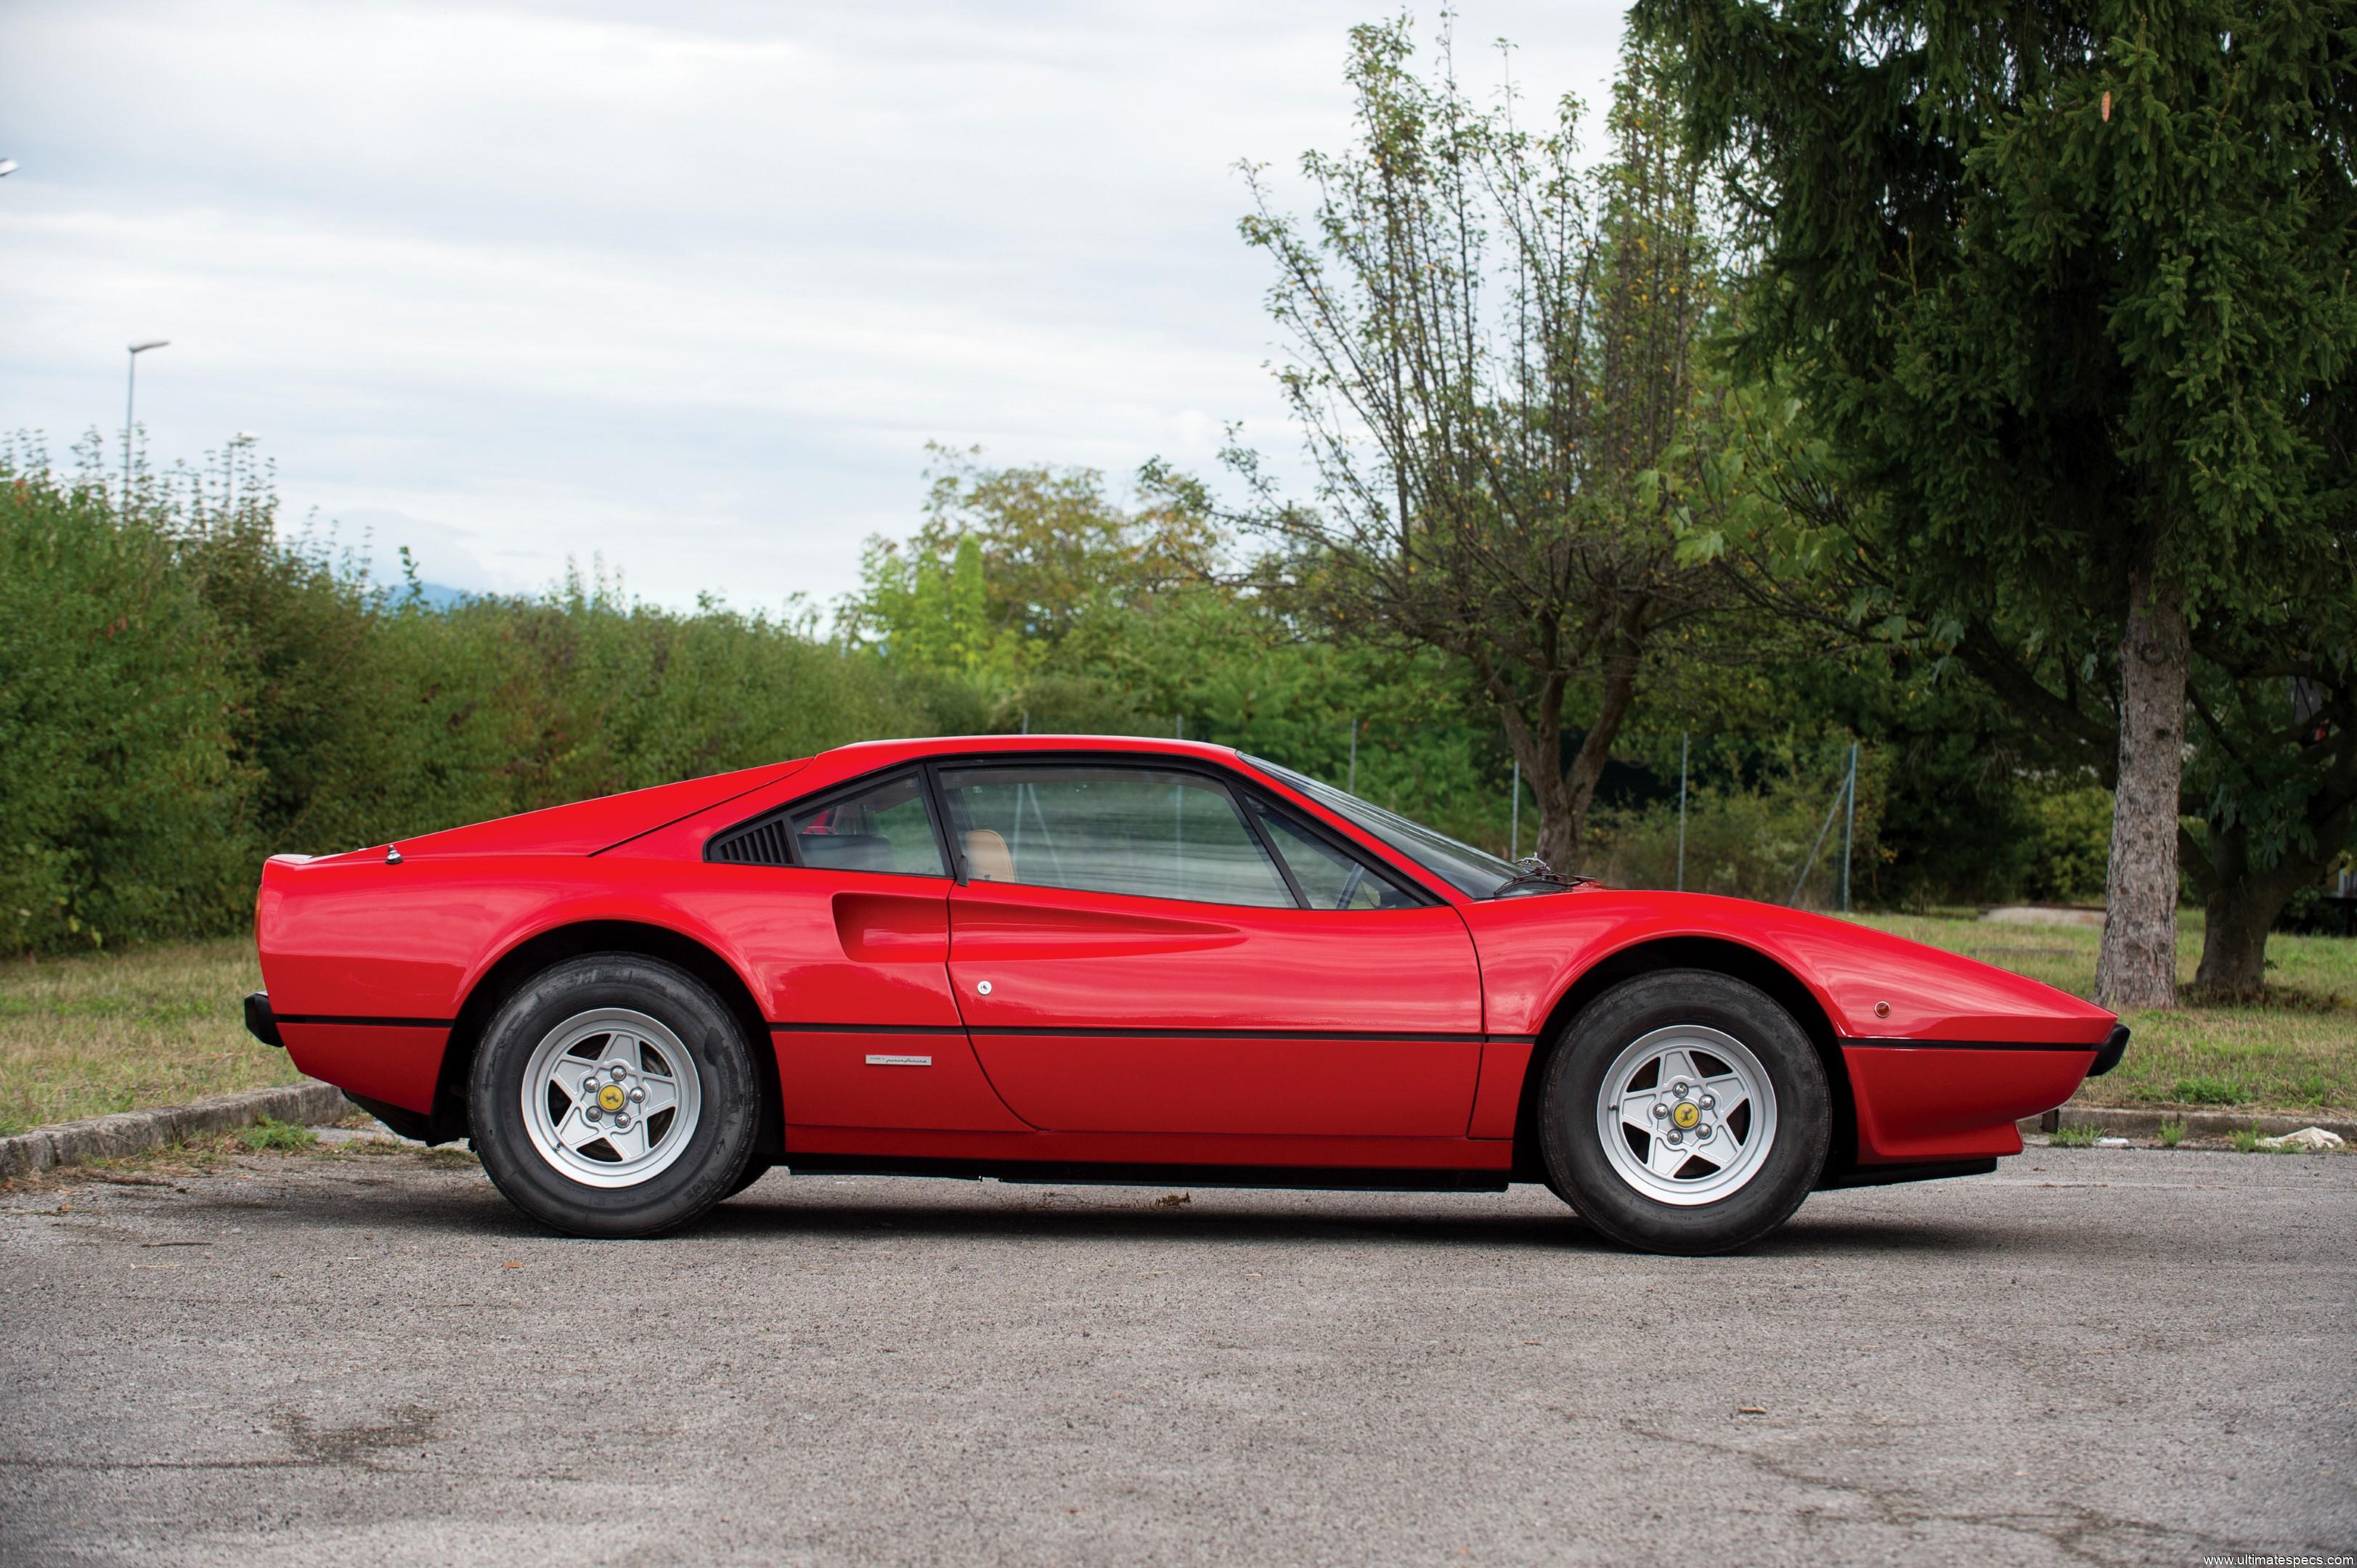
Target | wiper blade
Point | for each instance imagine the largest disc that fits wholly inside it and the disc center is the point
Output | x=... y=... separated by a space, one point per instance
x=1532 y=872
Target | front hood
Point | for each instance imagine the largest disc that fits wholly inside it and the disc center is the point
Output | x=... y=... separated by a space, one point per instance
x=585 y=827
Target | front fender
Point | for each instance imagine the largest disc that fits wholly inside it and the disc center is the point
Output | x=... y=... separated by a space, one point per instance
x=1942 y=1054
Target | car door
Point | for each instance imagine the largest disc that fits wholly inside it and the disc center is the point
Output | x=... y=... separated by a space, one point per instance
x=840 y=905
x=1133 y=952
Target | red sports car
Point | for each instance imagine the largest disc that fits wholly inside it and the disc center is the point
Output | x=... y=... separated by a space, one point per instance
x=1077 y=958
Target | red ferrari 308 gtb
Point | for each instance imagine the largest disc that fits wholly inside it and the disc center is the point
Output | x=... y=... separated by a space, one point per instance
x=1075 y=959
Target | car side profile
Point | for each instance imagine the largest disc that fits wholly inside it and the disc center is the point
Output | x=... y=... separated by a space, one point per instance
x=1090 y=958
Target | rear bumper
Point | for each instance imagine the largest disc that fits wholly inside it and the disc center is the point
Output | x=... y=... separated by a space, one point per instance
x=260 y=1022
x=1936 y=1101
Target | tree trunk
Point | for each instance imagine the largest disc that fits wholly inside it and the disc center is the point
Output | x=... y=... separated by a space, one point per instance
x=1561 y=821
x=2239 y=906
x=2234 y=925
x=1565 y=793
x=2137 y=967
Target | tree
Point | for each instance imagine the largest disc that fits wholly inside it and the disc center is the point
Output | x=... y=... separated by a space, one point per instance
x=2067 y=285
x=1012 y=562
x=1494 y=356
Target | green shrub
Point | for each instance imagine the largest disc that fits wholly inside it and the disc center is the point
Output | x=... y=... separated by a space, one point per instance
x=2068 y=835
x=1745 y=843
x=2075 y=1136
x=2209 y=1091
x=183 y=692
x=120 y=801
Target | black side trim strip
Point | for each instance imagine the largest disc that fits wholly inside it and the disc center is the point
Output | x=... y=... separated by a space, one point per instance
x=1884 y=1045
x=1154 y=1034
x=867 y=1029
x=370 y=1023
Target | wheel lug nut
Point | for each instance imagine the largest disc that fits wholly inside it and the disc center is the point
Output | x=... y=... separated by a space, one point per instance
x=590 y=1114
x=1703 y=1136
x=1679 y=1089
x=1709 y=1101
x=637 y=1095
x=1660 y=1110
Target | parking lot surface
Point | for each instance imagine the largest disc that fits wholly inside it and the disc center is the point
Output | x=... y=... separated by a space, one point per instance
x=2094 y=1356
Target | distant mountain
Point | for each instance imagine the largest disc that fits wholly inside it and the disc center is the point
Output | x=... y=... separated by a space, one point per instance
x=436 y=596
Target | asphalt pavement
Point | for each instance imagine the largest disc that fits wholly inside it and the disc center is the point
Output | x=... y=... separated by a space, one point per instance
x=2094 y=1356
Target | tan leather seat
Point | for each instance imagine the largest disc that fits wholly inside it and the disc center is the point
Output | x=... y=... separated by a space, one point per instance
x=988 y=858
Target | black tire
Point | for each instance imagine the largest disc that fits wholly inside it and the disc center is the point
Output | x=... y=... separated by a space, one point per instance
x=1572 y=1143
x=754 y=1171
x=716 y=1152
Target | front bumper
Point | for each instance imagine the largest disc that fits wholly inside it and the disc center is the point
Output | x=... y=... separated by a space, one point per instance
x=1938 y=1102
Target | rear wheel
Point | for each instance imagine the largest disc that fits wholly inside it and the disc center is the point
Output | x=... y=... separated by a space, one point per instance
x=613 y=1095
x=1684 y=1112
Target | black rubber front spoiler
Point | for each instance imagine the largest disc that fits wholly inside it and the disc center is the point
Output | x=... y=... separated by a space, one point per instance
x=1891 y=1176
x=260 y=1022
x=2115 y=1046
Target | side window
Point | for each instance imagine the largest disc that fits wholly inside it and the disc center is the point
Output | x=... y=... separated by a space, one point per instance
x=885 y=827
x=1109 y=829
x=1329 y=878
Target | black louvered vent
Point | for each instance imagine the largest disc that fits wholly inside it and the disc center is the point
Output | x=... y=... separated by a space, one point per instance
x=761 y=843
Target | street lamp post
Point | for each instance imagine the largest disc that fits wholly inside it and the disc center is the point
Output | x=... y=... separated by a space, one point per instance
x=130 y=396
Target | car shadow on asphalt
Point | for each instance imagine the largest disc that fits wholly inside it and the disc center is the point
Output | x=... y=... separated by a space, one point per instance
x=779 y=1210
x=1101 y=1220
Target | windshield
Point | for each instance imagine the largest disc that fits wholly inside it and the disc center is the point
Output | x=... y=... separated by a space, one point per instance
x=1475 y=873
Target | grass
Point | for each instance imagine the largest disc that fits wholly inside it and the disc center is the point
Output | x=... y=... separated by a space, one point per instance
x=272 y=1133
x=161 y=1025
x=241 y=1148
x=2074 y=1137
x=2294 y=1050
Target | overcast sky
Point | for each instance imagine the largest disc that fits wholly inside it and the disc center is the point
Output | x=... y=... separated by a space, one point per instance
x=687 y=286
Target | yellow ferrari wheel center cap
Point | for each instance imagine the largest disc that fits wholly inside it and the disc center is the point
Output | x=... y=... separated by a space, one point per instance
x=610 y=1097
x=1686 y=1115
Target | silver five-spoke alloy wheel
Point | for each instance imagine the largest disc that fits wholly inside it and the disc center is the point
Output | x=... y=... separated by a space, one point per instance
x=610 y=1097
x=1687 y=1114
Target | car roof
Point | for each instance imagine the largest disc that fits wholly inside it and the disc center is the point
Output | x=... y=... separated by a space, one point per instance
x=883 y=753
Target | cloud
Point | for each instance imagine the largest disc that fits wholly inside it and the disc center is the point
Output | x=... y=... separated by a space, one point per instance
x=689 y=295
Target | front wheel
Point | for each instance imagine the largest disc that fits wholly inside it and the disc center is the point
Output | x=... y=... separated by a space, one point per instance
x=1684 y=1112
x=613 y=1095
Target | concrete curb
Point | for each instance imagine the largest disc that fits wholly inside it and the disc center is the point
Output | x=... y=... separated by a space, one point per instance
x=2205 y=1124
x=134 y=1131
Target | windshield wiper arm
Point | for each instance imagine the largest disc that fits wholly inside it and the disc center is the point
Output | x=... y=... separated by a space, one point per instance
x=1532 y=872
